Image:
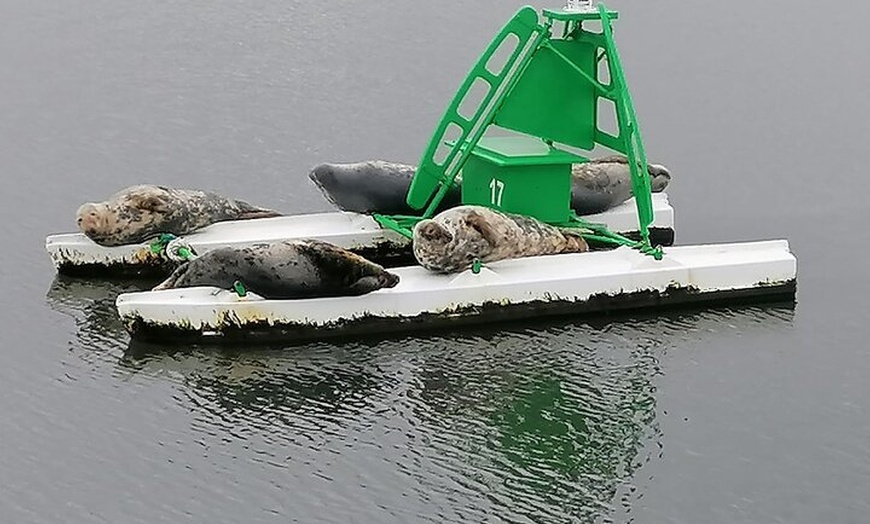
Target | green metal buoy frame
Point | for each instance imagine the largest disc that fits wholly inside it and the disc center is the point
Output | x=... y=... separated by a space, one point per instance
x=546 y=90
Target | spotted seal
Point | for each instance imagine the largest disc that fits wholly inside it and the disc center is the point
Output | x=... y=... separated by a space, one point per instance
x=603 y=183
x=374 y=186
x=141 y=212
x=450 y=241
x=304 y=268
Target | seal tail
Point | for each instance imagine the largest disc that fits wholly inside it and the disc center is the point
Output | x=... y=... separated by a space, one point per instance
x=250 y=212
x=574 y=241
x=260 y=213
x=170 y=281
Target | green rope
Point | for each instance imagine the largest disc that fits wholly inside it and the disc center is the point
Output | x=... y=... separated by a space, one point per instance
x=158 y=247
x=161 y=242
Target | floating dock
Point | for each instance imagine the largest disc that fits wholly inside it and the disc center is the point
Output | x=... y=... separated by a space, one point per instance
x=570 y=284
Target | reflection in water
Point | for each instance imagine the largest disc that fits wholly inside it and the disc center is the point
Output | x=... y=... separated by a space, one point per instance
x=537 y=422
x=557 y=416
x=244 y=384
x=91 y=304
x=534 y=422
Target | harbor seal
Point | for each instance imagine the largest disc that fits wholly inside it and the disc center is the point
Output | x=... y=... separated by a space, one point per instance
x=374 y=186
x=453 y=239
x=604 y=183
x=141 y=212
x=284 y=270
x=378 y=186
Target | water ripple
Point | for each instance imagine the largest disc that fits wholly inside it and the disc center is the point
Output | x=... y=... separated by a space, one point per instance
x=548 y=421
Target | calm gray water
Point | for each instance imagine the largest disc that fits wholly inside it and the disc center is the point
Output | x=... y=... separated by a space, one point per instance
x=752 y=414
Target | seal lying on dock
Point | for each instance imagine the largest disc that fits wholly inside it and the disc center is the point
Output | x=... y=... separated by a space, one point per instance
x=453 y=239
x=604 y=183
x=375 y=186
x=284 y=270
x=138 y=213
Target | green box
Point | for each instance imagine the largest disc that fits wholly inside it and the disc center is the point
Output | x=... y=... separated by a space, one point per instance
x=520 y=175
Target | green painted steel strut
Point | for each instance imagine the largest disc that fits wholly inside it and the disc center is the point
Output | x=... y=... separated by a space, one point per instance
x=401 y=224
x=600 y=233
x=630 y=132
x=629 y=140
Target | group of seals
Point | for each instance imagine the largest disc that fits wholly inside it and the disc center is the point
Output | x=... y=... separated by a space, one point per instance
x=139 y=213
x=460 y=234
x=448 y=243
x=284 y=270
x=452 y=240
x=378 y=186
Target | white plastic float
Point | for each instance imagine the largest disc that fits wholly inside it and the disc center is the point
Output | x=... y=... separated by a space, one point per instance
x=74 y=253
x=573 y=284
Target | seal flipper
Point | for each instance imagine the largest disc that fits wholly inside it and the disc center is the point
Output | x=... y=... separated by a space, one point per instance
x=250 y=212
x=574 y=241
x=433 y=231
x=149 y=201
x=262 y=213
x=172 y=280
x=370 y=283
x=477 y=222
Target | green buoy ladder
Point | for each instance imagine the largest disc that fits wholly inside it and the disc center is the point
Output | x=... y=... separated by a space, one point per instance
x=546 y=90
